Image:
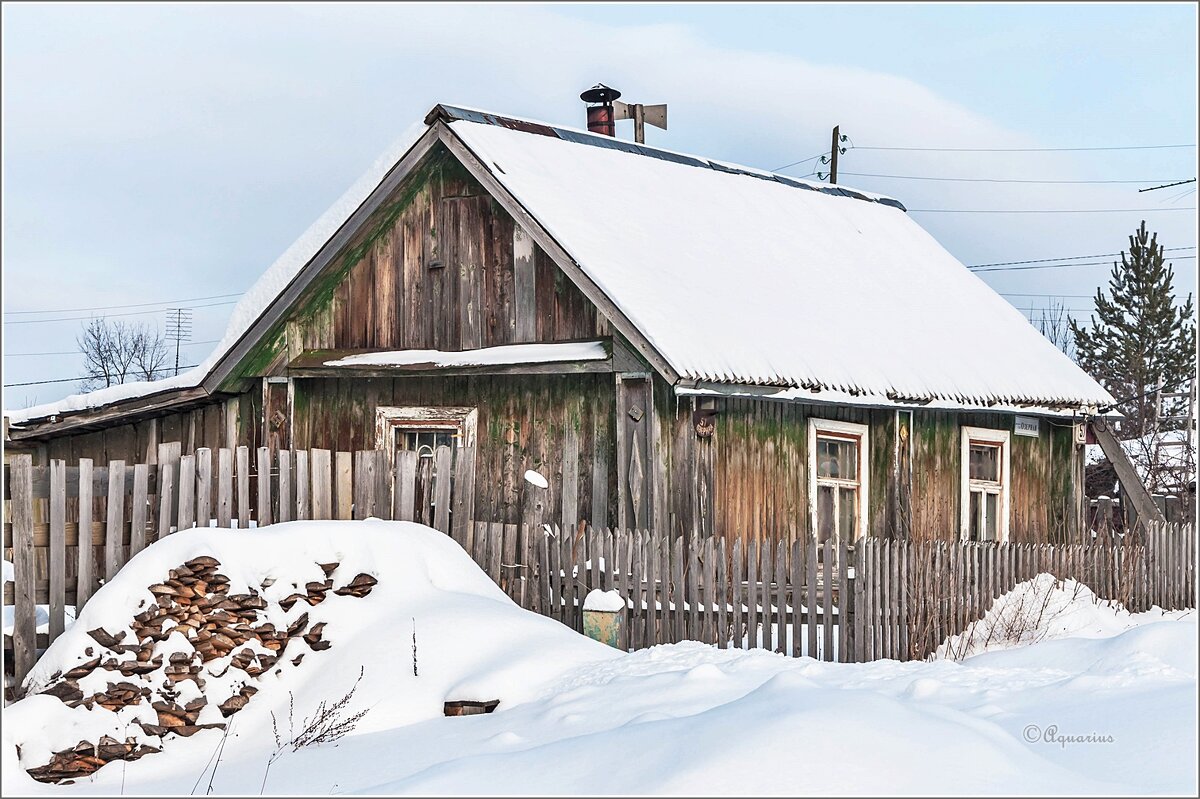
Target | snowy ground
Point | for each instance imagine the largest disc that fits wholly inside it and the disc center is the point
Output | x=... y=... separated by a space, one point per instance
x=577 y=717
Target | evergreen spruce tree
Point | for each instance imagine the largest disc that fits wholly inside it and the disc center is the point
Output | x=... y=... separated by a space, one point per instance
x=1139 y=340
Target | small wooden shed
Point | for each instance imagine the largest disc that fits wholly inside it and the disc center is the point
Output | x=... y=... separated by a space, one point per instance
x=673 y=342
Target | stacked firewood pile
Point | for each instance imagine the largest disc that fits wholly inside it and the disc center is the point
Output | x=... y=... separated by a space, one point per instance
x=224 y=630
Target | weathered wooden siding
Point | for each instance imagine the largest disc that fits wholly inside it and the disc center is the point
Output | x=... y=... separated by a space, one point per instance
x=752 y=477
x=525 y=422
x=439 y=266
x=208 y=425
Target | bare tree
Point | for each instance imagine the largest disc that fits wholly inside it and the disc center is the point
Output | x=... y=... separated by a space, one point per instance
x=120 y=352
x=1055 y=324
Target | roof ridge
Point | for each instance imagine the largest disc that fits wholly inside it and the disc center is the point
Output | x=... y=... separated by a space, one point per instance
x=452 y=113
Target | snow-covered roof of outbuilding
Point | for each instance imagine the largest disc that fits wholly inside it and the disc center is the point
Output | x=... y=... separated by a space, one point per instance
x=730 y=274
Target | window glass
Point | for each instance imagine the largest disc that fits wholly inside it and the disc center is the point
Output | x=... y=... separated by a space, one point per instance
x=976 y=513
x=423 y=442
x=837 y=458
x=992 y=506
x=985 y=462
x=848 y=514
x=824 y=513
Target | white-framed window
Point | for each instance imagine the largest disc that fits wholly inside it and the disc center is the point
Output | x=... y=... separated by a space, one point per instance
x=837 y=480
x=985 y=484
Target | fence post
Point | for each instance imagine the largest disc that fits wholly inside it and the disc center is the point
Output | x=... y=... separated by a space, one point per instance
x=85 y=582
x=24 y=620
x=264 y=486
x=114 y=533
x=58 y=547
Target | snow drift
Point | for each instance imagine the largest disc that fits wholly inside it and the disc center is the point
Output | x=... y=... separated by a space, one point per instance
x=432 y=629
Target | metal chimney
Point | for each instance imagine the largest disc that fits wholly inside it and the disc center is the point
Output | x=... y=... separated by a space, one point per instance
x=600 y=117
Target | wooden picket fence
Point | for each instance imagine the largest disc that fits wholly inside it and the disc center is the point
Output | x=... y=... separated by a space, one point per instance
x=900 y=598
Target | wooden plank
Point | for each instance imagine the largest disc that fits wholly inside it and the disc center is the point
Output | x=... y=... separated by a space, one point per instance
x=797 y=581
x=203 y=486
x=166 y=499
x=285 y=485
x=511 y=564
x=322 y=486
x=496 y=553
x=737 y=578
x=58 y=547
x=441 y=489
x=752 y=594
x=138 y=509
x=554 y=547
x=524 y=289
x=265 y=515
x=885 y=587
x=709 y=634
x=363 y=486
x=666 y=632
x=722 y=596
x=1134 y=490
x=243 y=486
x=303 y=486
x=405 y=491
x=114 y=532
x=827 y=571
x=343 y=479
x=85 y=574
x=637 y=589
x=679 y=631
x=906 y=572
x=810 y=546
x=766 y=576
x=858 y=655
x=570 y=476
x=187 y=488
x=650 y=544
x=843 y=602
x=224 y=486
x=24 y=633
x=780 y=572
x=464 y=493
x=599 y=497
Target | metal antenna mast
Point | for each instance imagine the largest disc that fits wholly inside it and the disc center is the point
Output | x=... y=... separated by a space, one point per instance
x=179 y=329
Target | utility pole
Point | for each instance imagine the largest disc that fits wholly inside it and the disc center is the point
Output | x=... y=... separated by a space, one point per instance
x=833 y=156
x=835 y=149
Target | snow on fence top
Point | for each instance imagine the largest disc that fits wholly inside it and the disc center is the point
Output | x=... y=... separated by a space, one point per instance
x=739 y=279
x=735 y=275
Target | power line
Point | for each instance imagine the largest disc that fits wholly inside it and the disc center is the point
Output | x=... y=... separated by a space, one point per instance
x=797 y=163
x=76 y=379
x=1063 y=296
x=107 y=316
x=977 y=270
x=77 y=352
x=1027 y=149
x=132 y=304
x=1071 y=258
x=989 y=180
x=1042 y=210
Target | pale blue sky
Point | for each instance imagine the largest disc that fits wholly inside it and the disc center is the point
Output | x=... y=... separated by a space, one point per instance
x=156 y=153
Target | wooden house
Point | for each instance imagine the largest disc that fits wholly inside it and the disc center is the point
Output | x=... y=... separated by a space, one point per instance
x=673 y=342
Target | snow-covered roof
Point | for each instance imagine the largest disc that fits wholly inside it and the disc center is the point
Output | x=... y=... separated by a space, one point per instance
x=735 y=276
x=732 y=274
x=488 y=356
